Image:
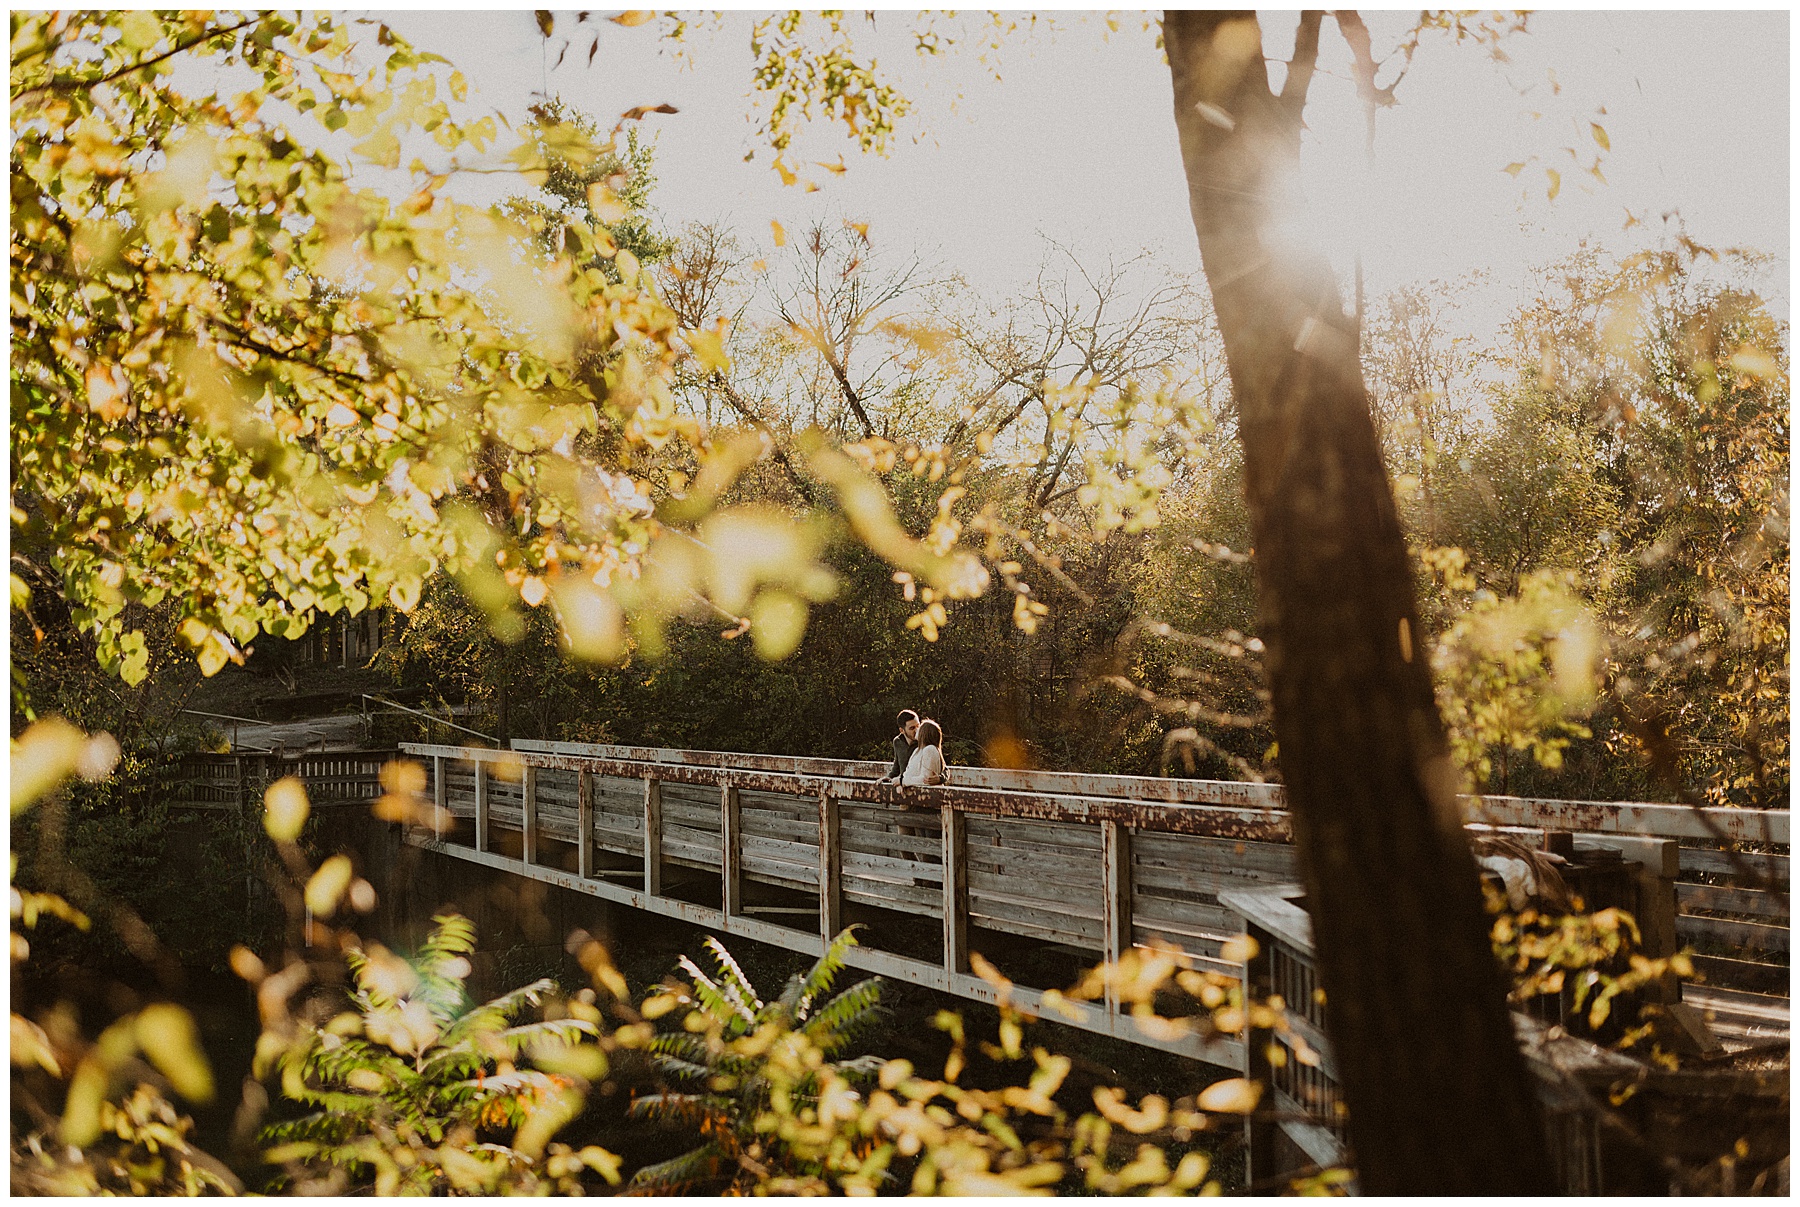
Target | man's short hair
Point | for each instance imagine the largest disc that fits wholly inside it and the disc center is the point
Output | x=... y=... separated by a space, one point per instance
x=906 y=714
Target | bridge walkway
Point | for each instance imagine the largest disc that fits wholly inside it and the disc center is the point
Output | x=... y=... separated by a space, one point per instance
x=787 y=850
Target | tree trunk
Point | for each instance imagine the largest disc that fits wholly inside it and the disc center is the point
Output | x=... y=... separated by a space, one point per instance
x=1439 y=1097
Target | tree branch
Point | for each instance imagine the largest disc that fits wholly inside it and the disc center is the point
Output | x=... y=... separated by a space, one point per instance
x=75 y=85
x=1300 y=67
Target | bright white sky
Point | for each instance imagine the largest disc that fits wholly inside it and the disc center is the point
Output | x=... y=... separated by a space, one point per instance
x=1077 y=142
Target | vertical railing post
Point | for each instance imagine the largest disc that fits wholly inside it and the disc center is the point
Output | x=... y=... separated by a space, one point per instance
x=653 y=864
x=482 y=833
x=440 y=794
x=956 y=892
x=831 y=869
x=528 y=798
x=731 y=855
x=1115 y=902
x=584 y=823
x=1260 y=1161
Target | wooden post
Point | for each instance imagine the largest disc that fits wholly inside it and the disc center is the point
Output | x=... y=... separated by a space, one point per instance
x=1259 y=1128
x=653 y=878
x=731 y=856
x=1115 y=901
x=440 y=794
x=481 y=806
x=831 y=869
x=528 y=793
x=584 y=823
x=956 y=892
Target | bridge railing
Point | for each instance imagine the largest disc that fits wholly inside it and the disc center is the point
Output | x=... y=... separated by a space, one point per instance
x=1729 y=903
x=798 y=846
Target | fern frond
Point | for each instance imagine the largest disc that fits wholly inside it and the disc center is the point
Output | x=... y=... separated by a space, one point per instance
x=845 y=1015
x=689 y=1111
x=680 y=1175
x=728 y=1009
x=824 y=971
x=732 y=980
x=496 y=1014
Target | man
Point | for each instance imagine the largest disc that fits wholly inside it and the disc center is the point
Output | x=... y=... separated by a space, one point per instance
x=904 y=741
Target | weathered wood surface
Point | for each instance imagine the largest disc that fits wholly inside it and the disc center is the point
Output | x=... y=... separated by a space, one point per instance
x=1034 y=856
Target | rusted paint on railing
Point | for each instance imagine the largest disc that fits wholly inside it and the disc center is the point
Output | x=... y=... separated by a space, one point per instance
x=1631 y=817
x=1240 y=823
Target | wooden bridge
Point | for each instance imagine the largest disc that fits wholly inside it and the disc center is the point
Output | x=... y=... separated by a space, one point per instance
x=788 y=850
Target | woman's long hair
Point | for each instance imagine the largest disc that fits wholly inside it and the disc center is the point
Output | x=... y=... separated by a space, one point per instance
x=930 y=733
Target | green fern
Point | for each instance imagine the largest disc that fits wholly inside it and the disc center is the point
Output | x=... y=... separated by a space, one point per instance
x=725 y=1073
x=412 y=1066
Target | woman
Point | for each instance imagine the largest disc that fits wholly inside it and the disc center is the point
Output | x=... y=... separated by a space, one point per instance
x=926 y=766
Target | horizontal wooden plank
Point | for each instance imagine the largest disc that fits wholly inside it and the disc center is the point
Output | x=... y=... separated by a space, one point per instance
x=1051 y=896
x=779 y=802
x=903 y=899
x=1078 y=868
x=1731 y=900
x=788 y=829
x=1754 y=864
x=882 y=865
x=1031 y=923
x=1631 y=817
x=1055 y=836
x=888 y=840
x=1251 y=860
x=1747 y=975
x=1750 y=935
x=1150 y=911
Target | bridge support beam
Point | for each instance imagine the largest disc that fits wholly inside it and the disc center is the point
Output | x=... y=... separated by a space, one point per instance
x=483 y=832
x=831 y=869
x=1115 y=900
x=731 y=853
x=440 y=792
x=653 y=862
x=529 y=803
x=584 y=824
x=956 y=891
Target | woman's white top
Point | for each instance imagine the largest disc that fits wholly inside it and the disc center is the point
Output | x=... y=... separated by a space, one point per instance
x=926 y=766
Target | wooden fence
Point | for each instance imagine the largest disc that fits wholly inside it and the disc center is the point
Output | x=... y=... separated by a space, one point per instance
x=785 y=850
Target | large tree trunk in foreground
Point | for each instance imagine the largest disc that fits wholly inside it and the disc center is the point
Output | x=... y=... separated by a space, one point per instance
x=1439 y=1097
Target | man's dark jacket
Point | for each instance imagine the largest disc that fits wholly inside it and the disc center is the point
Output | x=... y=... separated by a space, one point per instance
x=902 y=751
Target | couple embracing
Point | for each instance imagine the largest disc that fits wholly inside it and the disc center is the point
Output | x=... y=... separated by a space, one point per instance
x=918 y=752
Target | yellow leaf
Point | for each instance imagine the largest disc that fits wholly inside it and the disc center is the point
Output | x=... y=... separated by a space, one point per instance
x=861 y=228
x=533 y=591
x=777 y=623
x=326 y=888
x=1600 y=136
x=787 y=175
x=30 y=1046
x=1513 y=169
x=169 y=1038
x=632 y=18
x=605 y=204
x=43 y=757
x=403 y=775
x=1755 y=362
x=1240 y=949
x=1555 y=182
x=780 y=234
x=591 y=620
x=285 y=808
x=247 y=964
x=627 y=265
x=836 y=169
x=1233 y=1096
x=709 y=350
